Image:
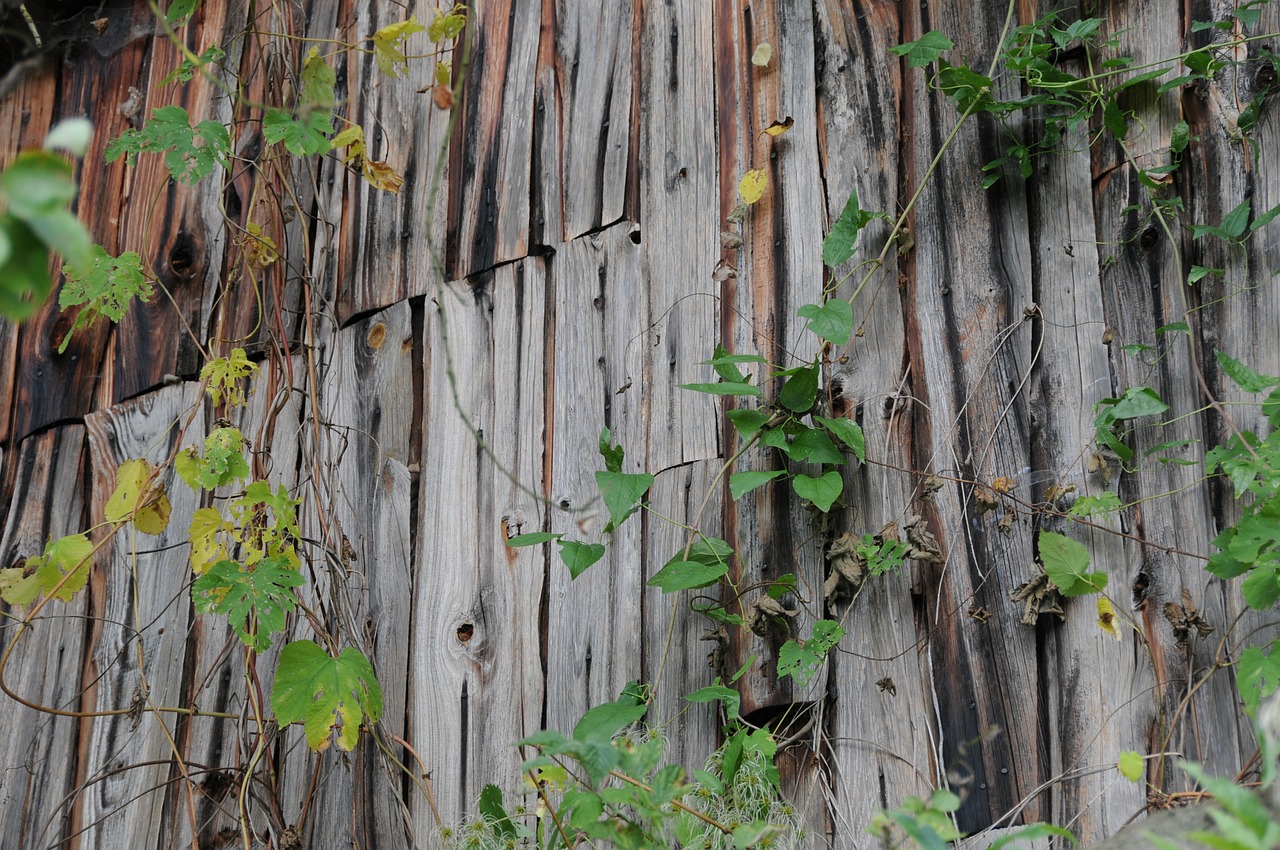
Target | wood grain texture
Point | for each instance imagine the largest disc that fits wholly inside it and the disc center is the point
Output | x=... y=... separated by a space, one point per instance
x=475 y=666
x=136 y=653
x=38 y=768
x=8 y=372
x=489 y=175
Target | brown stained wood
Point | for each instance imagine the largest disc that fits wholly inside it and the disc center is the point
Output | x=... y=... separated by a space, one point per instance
x=489 y=177
x=388 y=245
x=875 y=729
x=1070 y=375
x=8 y=372
x=592 y=84
x=778 y=269
x=969 y=282
x=138 y=644
x=1142 y=291
x=38 y=767
x=474 y=631
x=678 y=225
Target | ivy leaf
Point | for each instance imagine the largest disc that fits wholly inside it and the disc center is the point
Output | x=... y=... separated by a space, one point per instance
x=224 y=375
x=388 y=46
x=800 y=391
x=254 y=601
x=822 y=491
x=330 y=696
x=106 y=289
x=621 y=492
x=837 y=247
x=741 y=483
x=577 y=556
x=925 y=49
x=848 y=432
x=147 y=507
x=1065 y=562
x=833 y=321
x=1244 y=377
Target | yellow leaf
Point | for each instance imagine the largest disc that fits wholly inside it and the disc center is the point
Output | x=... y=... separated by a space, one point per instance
x=148 y=507
x=206 y=550
x=388 y=46
x=382 y=176
x=353 y=138
x=1132 y=765
x=259 y=249
x=764 y=52
x=1107 y=617
x=18 y=587
x=752 y=186
x=224 y=375
x=777 y=128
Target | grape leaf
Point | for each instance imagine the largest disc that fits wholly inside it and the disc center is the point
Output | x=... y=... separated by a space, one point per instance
x=170 y=132
x=206 y=549
x=302 y=135
x=388 y=46
x=1131 y=765
x=224 y=375
x=67 y=560
x=106 y=289
x=1065 y=562
x=330 y=696
x=254 y=601
x=446 y=26
x=223 y=461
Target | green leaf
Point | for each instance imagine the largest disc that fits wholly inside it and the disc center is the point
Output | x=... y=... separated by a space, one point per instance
x=316 y=81
x=724 y=388
x=330 y=696
x=585 y=807
x=613 y=455
x=37 y=183
x=24 y=272
x=66 y=560
x=848 y=432
x=1232 y=226
x=1198 y=272
x=801 y=659
x=1065 y=562
x=1114 y=119
x=1131 y=765
x=968 y=90
x=223 y=461
x=254 y=601
x=224 y=374
x=1033 y=833
x=1265 y=219
x=680 y=575
x=446 y=26
x=180 y=11
x=1261 y=588
x=71 y=135
x=822 y=491
x=107 y=289
x=578 y=556
x=801 y=390
x=1180 y=137
x=925 y=49
x=741 y=483
x=187 y=68
x=190 y=153
x=726 y=367
x=1102 y=503
x=837 y=247
x=602 y=722
x=533 y=538
x=814 y=446
x=1257 y=676
x=732 y=701
x=747 y=420
x=490 y=807
x=622 y=491
x=302 y=135
x=1244 y=377
x=833 y=320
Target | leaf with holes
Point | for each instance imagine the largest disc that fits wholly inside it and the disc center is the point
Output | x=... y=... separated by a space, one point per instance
x=330 y=696
x=106 y=288
x=224 y=375
x=254 y=601
x=65 y=565
x=190 y=153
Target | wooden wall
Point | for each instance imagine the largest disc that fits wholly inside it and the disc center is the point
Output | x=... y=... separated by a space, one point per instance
x=596 y=154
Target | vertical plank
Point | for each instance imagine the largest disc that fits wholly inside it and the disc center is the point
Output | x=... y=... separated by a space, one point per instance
x=592 y=68
x=968 y=285
x=489 y=176
x=137 y=648
x=879 y=729
x=475 y=665
x=387 y=245
x=8 y=372
x=38 y=767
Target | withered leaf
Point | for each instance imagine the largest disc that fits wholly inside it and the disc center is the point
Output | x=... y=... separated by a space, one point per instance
x=777 y=128
x=924 y=546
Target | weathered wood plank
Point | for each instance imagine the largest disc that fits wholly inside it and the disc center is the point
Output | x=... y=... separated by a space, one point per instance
x=135 y=657
x=8 y=373
x=880 y=728
x=968 y=285
x=592 y=74
x=489 y=176
x=38 y=767
x=475 y=665
x=387 y=245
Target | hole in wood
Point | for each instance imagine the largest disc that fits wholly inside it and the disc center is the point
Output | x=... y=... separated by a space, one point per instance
x=635 y=237
x=466 y=632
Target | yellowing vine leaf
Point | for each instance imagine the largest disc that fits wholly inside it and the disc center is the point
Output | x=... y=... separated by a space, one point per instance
x=388 y=46
x=777 y=128
x=763 y=53
x=1107 y=617
x=752 y=185
x=259 y=249
x=330 y=696
x=378 y=174
x=206 y=549
x=65 y=565
x=147 y=506
x=224 y=375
